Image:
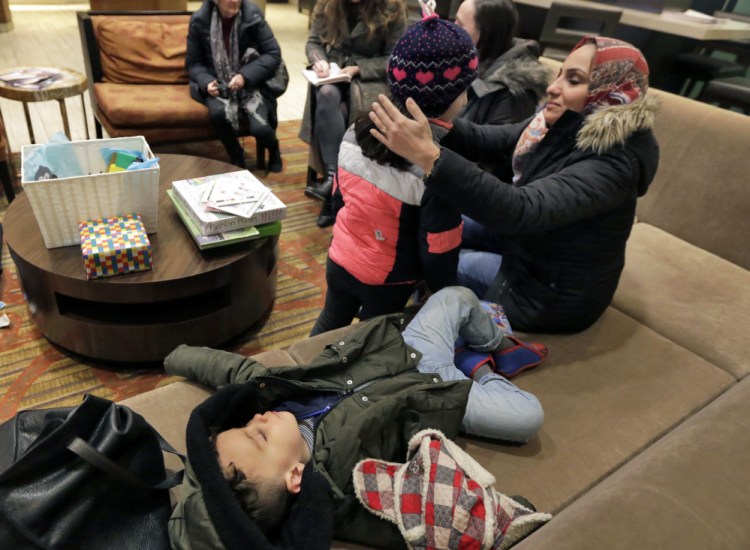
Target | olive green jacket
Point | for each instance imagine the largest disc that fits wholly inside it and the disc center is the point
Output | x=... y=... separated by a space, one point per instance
x=383 y=401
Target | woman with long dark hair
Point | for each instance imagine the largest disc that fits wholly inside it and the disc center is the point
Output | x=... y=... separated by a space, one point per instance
x=511 y=82
x=357 y=35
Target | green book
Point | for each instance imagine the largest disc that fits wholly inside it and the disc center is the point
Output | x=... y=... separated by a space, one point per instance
x=204 y=242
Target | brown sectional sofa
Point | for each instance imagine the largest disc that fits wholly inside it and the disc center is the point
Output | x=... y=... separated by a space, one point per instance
x=135 y=64
x=646 y=437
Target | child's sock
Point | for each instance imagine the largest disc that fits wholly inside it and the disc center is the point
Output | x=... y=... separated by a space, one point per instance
x=514 y=356
x=473 y=364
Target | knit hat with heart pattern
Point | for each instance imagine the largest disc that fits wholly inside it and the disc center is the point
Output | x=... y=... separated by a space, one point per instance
x=433 y=63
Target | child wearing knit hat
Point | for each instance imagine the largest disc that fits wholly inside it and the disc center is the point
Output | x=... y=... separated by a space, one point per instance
x=390 y=232
x=434 y=63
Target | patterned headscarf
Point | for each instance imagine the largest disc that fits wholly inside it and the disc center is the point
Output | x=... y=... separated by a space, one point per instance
x=619 y=76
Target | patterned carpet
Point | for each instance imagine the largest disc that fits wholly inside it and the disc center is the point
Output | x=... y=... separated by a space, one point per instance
x=34 y=373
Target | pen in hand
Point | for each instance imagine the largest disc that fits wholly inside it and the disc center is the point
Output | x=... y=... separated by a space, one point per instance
x=321 y=66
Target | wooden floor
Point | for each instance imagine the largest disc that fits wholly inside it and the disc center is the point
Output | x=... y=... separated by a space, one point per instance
x=47 y=35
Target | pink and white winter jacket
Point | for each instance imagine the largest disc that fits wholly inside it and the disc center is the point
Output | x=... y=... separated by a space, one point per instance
x=390 y=229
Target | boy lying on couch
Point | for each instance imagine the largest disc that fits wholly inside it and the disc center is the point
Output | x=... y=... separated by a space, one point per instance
x=288 y=438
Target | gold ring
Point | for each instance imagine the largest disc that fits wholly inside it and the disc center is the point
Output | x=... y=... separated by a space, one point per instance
x=385 y=129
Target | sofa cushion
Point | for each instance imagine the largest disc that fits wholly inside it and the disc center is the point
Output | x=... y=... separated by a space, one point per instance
x=607 y=394
x=134 y=51
x=168 y=408
x=165 y=134
x=150 y=105
x=691 y=296
x=688 y=490
x=700 y=191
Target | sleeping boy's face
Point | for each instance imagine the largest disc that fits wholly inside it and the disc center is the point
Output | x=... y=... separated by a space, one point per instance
x=270 y=446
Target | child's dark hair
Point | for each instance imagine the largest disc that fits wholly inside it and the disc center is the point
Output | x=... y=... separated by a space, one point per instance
x=265 y=502
x=372 y=148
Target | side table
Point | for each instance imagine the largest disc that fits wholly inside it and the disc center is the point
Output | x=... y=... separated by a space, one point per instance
x=72 y=83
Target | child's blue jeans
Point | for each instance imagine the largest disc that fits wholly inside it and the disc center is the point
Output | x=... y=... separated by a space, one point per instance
x=496 y=407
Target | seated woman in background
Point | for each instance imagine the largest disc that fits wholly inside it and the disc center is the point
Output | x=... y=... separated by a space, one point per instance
x=510 y=87
x=231 y=52
x=390 y=232
x=563 y=214
x=357 y=35
x=511 y=82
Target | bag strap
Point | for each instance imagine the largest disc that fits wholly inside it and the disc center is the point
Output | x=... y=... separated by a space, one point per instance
x=106 y=465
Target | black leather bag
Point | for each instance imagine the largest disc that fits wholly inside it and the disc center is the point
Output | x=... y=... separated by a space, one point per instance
x=88 y=477
x=278 y=84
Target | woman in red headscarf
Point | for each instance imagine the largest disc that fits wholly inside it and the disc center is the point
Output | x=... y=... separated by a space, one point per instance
x=557 y=223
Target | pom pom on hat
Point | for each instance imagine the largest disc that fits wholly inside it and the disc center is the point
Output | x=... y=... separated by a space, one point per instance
x=433 y=63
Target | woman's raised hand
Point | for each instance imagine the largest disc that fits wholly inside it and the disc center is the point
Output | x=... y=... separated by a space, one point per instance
x=411 y=139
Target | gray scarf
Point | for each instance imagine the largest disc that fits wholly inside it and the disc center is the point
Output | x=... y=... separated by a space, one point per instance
x=226 y=66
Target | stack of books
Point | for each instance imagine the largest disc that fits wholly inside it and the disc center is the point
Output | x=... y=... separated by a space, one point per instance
x=227 y=208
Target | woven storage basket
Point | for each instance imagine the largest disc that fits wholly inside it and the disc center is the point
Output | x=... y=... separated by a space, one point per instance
x=60 y=204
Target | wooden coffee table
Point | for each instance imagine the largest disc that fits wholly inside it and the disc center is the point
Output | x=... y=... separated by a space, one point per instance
x=191 y=297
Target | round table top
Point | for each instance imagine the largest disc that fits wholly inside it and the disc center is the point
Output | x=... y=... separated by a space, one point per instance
x=72 y=83
x=175 y=255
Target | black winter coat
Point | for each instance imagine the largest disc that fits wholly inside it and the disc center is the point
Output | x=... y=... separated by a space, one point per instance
x=509 y=88
x=254 y=32
x=564 y=225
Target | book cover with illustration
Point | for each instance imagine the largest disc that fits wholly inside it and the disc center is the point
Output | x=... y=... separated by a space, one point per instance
x=225 y=202
x=205 y=242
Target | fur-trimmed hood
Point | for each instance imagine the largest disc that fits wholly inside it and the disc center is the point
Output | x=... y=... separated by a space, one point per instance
x=611 y=126
x=518 y=70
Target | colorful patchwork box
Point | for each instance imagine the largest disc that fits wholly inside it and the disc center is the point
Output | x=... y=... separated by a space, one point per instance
x=114 y=245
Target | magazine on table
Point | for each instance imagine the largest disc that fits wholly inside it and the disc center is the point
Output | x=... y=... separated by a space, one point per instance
x=335 y=74
x=225 y=202
x=237 y=197
x=31 y=78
